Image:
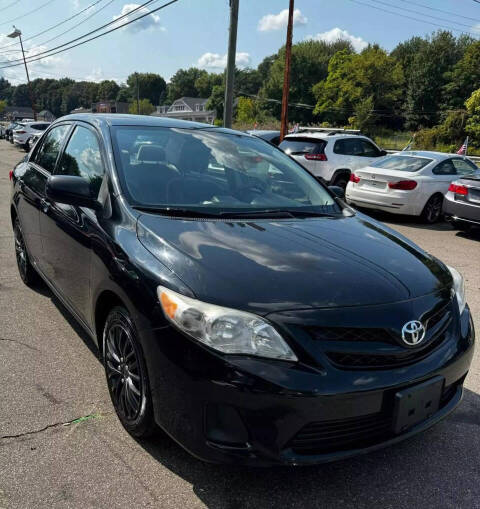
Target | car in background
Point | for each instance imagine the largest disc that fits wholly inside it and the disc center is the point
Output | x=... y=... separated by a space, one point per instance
x=32 y=141
x=9 y=131
x=331 y=156
x=24 y=131
x=410 y=182
x=461 y=205
x=270 y=136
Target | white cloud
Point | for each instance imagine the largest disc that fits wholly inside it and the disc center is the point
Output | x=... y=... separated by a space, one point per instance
x=217 y=61
x=97 y=74
x=336 y=34
x=148 y=22
x=278 y=21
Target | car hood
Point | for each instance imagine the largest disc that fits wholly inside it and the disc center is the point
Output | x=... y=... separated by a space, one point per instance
x=265 y=265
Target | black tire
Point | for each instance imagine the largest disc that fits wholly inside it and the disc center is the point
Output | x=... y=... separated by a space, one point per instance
x=432 y=211
x=126 y=374
x=28 y=274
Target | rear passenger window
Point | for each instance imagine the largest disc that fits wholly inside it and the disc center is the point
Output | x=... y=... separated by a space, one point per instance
x=445 y=168
x=47 y=154
x=82 y=158
x=464 y=167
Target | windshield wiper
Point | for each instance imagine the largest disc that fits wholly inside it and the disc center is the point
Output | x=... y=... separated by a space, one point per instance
x=277 y=213
x=174 y=211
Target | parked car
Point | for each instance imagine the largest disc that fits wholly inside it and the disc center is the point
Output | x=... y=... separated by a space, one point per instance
x=462 y=202
x=23 y=132
x=270 y=136
x=9 y=131
x=410 y=182
x=331 y=157
x=222 y=302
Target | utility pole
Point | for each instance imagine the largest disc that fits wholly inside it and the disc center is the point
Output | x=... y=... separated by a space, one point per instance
x=232 y=51
x=286 y=76
x=138 y=94
x=18 y=33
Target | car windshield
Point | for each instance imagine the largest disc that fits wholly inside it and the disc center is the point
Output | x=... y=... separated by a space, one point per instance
x=402 y=163
x=210 y=171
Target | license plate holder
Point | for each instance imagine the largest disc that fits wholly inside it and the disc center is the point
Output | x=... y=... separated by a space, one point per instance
x=416 y=404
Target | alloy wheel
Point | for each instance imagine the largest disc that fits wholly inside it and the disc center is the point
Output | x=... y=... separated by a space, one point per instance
x=123 y=371
x=20 y=252
x=433 y=209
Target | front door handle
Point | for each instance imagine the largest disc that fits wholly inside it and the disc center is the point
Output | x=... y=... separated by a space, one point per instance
x=45 y=206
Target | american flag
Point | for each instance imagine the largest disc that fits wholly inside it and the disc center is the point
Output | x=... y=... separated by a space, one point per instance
x=462 y=151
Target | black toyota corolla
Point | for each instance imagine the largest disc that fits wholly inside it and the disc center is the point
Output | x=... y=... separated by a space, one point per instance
x=238 y=303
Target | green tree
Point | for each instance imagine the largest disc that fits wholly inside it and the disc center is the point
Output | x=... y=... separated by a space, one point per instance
x=5 y=89
x=473 y=123
x=182 y=83
x=216 y=100
x=145 y=107
x=246 y=110
x=368 y=84
x=206 y=81
x=151 y=86
x=464 y=79
x=427 y=78
x=108 y=90
x=309 y=65
x=3 y=104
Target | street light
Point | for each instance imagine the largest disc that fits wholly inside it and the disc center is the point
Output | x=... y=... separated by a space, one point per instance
x=18 y=33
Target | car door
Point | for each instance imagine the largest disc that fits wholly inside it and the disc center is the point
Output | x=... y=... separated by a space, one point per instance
x=32 y=190
x=67 y=230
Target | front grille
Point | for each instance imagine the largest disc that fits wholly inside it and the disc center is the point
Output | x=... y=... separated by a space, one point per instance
x=353 y=433
x=383 y=361
x=339 y=343
x=342 y=434
x=351 y=334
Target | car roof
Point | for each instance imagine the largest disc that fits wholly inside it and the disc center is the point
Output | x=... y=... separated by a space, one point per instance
x=438 y=156
x=325 y=136
x=118 y=119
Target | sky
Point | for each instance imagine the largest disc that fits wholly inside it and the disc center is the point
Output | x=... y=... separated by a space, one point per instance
x=195 y=32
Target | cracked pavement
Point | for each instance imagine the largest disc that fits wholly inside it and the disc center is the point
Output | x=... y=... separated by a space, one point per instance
x=62 y=446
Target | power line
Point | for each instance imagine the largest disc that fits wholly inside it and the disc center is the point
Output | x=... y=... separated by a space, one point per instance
x=414 y=19
x=88 y=33
x=99 y=35
x=421 y=13
x=77 y=25
x=9 y=5
x=441 y=10
x=27 y=13
x=66 y=20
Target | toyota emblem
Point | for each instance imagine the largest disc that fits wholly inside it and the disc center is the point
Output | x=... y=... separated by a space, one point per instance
x=413 y=333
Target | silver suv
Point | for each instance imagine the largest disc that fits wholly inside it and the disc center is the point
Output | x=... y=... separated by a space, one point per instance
x=331 y=156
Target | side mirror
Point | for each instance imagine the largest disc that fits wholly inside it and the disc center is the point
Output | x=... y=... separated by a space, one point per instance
x=338 y=191
x=382 y=153
x=71 y=191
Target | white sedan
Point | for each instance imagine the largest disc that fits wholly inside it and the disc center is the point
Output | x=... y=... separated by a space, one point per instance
x=412 y=183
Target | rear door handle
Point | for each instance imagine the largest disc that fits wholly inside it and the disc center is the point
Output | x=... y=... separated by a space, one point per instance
x=44 y=205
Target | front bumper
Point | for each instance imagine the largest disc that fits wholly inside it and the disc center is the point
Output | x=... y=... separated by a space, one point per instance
x=255 y=411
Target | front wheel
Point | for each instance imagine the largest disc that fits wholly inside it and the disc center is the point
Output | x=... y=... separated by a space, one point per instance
x=28 y=274
x=126 y=373
x=433 y=209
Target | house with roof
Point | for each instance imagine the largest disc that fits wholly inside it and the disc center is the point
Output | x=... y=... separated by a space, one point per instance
x=187 y=108
x=16 y=113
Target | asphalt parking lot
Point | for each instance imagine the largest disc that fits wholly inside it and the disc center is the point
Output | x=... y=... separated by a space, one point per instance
x=62 y=446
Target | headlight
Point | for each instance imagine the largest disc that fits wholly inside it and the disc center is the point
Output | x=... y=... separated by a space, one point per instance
x=223 y=329
x=459 y=287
